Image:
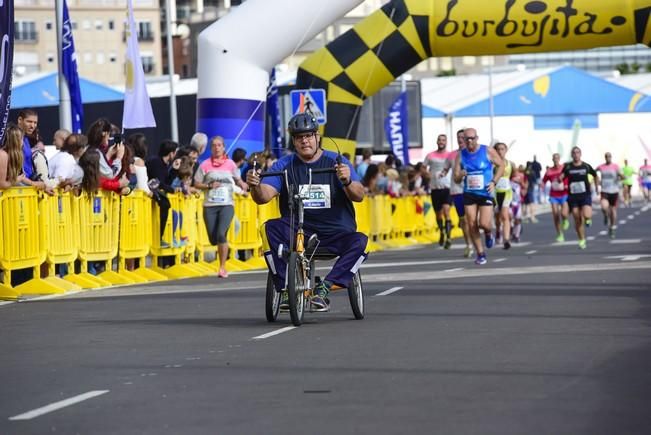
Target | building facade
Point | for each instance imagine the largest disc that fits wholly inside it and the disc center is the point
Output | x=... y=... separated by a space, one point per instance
x=98 y=28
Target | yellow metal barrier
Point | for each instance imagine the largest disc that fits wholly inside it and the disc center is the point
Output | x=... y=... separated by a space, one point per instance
x=171 y=236
x=60 y=239
x=98 y=218
x=135 y=237
x=22 y=242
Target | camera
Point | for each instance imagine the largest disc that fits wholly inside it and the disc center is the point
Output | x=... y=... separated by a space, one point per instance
x=116 y=139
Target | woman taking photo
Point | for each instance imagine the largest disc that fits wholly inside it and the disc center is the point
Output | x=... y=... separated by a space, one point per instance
x=218 y=176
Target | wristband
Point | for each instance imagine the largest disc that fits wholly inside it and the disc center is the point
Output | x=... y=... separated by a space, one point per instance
x=350 y=180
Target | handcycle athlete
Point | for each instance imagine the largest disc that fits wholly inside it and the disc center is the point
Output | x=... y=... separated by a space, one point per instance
x=329 y=212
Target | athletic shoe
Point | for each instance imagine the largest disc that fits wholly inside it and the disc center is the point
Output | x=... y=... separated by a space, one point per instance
x=448 y=243
x=319 y=300
x=481 y=259
x=588 y=223
x=566 y=224
x=611 y=232
x=222 y=273
x=490 y=240
x=467 y=252
x=515 y=239
x=507 y=245
x=441 y=238
x=534 y=220
x=498 y=237
x=284 y=301
x=582 y=244
x=560 y=238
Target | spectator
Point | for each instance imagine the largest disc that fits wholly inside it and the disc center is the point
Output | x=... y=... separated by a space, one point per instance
x=11 y=160
x=89 y=163
x=158 y=169
x=40 y=165
x=27 y=122
x=199 y=141
x=63 y=165
x=111 y=156
x=138 y=143
x=219 y=177
x=59 y=138
x=370 y=179
x=364 y=164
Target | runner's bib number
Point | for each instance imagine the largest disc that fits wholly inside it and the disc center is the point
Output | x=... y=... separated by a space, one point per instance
x=558 y=186
x=609 y=185
x=475 y=181
x=219 y=195
x=318 y=196
x=503 y=184
x=577 y=187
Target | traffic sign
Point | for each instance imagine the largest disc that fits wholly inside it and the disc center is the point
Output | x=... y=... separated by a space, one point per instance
x=312 y=100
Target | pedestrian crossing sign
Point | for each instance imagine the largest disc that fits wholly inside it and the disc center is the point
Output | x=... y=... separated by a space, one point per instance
x=312 y=100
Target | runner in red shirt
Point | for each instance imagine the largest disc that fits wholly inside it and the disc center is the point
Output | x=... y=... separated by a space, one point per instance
x=558 y=197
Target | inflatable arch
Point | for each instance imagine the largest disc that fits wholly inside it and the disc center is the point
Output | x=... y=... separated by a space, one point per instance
x=405 y=32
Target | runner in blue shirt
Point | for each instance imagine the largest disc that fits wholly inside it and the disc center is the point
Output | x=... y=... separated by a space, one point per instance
x=329 y=212
x=478 y=166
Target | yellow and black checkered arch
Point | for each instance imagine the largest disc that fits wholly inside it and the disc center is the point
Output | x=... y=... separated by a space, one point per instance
x=405 y=32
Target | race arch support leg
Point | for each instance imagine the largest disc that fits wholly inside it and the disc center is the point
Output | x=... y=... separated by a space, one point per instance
x=240 y=122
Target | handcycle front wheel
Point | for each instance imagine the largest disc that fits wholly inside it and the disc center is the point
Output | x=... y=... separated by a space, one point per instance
x=272 y=300
x=356 y=296
x=296 y=285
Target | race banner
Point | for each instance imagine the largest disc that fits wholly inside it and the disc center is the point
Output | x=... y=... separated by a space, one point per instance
x=6 y=61
x=395 y=127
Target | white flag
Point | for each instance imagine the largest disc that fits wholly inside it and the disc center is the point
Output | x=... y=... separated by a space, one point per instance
x=137 y=106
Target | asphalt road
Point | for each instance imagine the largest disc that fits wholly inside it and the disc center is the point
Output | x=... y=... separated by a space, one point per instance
x=543 y=339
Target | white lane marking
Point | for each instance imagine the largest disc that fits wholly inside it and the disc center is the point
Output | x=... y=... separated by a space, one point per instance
x=479 y=272
x=530 y=252
x=622 y=222
x=591 y=238
x=456 y=269
x=513 y=245
x=603 y=233
x=629 y=257
x=499 y=260
x=46 y=297
x=630 y=216
x=7 y=303
x=272 y=333
x=58 y=405
x=566 y=243
x=388 y=292
x=625 y=241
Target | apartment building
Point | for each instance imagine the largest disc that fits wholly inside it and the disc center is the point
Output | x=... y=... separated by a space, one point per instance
x=98 y=28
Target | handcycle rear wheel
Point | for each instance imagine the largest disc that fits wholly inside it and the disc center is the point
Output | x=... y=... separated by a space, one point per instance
x=356 y=296
x=296 y=284
x=272 y=300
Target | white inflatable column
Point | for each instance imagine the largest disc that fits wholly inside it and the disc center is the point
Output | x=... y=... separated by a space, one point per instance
x=236 y=55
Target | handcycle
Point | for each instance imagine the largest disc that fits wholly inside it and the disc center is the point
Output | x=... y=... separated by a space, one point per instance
x=301 y=257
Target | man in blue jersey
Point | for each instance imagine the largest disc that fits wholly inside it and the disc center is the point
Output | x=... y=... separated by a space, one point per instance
x=329 y=212
x=479 y=167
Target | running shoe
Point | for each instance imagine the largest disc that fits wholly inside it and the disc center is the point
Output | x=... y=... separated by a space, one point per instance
x=284 y=301
x=560 y=238
x=588 y=223
x=611 y=232
x=515 y=239
x=222 y=273
x=582 y=244
x=319 y=300
x=490 y=240
x=498 y=237
x=448 y=243
x=467 y=252
x=507 y=245
x=534 y=220
x=441 y=238
x=481 y=259
x=566 y=224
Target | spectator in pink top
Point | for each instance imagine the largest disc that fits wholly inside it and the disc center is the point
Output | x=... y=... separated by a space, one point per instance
x=219 y=177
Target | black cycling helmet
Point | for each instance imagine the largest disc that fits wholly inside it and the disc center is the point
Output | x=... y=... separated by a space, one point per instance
x=302 y=123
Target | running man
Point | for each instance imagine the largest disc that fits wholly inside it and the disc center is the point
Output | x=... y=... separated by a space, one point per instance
x=503 y=197
x=558 y=197
x=438 y=162
x=474 y=166
x=456 y=196
x=518 y=185
x=580 y=198
x=627 y=172
x=610 y=177
x=645 y=179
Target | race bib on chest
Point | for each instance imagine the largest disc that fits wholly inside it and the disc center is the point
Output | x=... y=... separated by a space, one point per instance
x=219 y=195
x=558 y=186
x=475 y=181
x=647 y=178
x=503 y=184
x=317 y=197
x=577 y=187
x=609 y=184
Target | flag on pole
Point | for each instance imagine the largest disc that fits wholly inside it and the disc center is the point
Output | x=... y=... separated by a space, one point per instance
x=69 y=69
x=273 y=111
x=7 y=46
x=395 y=127
x=137 y=106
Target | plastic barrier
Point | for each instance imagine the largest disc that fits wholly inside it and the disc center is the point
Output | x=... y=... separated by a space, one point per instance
x=22 y=242
x=246 y=212
x=135 y=237
x=190 y=234
x=171 y=244
x=363 y=220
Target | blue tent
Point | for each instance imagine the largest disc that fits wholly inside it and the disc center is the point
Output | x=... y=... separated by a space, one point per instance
x=44 y=91
x=558 y=99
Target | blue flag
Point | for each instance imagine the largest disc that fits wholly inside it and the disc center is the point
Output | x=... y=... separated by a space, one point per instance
x=6 y=62
x=273 y=110
x=395 y=127
x=69 y=69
